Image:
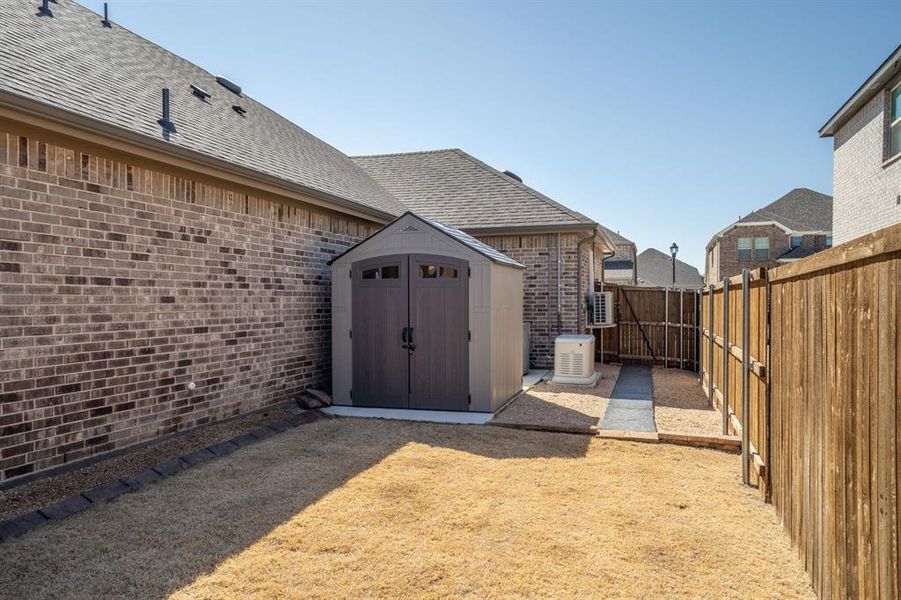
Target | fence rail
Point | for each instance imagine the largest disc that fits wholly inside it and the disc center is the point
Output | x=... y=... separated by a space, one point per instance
x=804 y=359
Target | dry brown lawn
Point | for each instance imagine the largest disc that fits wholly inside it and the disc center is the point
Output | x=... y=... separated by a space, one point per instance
x=352 y=508
x=561 y=405
x=680 y=405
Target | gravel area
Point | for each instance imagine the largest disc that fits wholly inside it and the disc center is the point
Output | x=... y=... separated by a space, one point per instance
x=560 y=405
x=680 y=405
x=41 y=492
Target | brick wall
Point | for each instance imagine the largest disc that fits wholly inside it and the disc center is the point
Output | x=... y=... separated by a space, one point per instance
x=724 y=255
x=120 y=283
x=867 y=191
x=729 y=264
x=538 y=252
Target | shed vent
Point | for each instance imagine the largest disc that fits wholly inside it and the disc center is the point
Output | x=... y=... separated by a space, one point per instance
x=230 y=86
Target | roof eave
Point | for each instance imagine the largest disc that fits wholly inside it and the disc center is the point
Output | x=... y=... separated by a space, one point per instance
x=97 y=128
x=886 y=71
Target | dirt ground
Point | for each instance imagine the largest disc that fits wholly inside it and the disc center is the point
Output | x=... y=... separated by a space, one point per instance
x=680 y=405
x=560 y=405
x=371 y=508
x=38 y=494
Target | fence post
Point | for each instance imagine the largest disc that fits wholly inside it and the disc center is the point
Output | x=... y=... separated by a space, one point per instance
x=666 y=328
x=725 y=390
x=710 y=343
x=681 y=331
x=745 y=379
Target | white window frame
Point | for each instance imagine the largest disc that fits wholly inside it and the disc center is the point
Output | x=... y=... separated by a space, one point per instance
x=749 y=249
x=756 y=248
x=891 y=124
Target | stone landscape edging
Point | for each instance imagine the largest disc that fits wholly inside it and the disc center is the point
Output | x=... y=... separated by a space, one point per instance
x=113 y=489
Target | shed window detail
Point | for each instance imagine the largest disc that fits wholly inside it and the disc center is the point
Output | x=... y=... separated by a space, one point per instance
x=388 y=272
x=895 y=122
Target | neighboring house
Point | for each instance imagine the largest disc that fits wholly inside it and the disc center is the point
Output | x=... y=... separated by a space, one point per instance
x=622 y=267
x=561 y=249
x=793 y=227
x=655 y=268
x=866 y=134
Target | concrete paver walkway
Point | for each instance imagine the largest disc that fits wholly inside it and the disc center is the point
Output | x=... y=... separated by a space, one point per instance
x=631 y=406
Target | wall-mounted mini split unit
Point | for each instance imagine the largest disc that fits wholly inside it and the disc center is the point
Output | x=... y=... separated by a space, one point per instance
x=574 y=360
x=602 y=309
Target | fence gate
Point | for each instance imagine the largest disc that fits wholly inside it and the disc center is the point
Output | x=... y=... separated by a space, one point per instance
x=654 y=326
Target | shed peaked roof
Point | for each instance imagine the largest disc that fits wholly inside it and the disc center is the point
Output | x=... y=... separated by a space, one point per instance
x=464 y=238
x=457 y=188
x=801 y=209
x=70 y=64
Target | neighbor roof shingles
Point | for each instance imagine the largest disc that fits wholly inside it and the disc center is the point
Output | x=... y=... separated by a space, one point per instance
x=458 y=189
x=656 y=268
x=71 y=61
x=801 y=209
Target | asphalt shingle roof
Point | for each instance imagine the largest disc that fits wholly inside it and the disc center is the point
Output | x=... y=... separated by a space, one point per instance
x=71 y=61
x=656 y=269
x=478 y=246
x=800 y=210
x=797 y=253
x=460 y=190
x=615 y=237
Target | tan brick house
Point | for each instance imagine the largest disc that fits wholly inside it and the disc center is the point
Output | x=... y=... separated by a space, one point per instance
x=138 y=255
x=866 y=134
x=159 y=228
x=562 y=250
x=793 y=227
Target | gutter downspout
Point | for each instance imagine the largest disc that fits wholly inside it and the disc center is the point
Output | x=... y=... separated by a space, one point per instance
x=604 y=255
x=559 y=288
x=581 y=301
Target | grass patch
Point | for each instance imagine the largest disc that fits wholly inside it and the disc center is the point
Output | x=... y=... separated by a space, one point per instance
x=359 y=508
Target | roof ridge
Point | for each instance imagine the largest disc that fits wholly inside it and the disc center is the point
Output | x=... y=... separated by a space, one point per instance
x=538 y=195
x=414 y=153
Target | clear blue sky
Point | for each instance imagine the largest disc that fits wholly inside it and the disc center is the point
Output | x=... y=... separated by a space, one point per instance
x=665 y=121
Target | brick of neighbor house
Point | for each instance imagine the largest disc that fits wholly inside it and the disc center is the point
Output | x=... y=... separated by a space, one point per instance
x=792 y=227
x=866 y=134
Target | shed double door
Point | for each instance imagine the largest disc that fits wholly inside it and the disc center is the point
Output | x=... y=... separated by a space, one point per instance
x=410 y=332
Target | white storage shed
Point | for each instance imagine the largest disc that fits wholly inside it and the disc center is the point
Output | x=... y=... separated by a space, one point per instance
x=425 y=316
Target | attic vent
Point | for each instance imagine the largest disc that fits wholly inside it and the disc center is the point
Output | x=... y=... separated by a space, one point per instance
x=199 y=92
x=232 y=87
x=513 y=175
x=240 y=110
x=409 y=228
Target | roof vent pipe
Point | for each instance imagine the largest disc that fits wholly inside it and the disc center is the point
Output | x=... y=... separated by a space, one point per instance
x=44 y=10
x=105 y=20
x=165 y=123
x=513 y=175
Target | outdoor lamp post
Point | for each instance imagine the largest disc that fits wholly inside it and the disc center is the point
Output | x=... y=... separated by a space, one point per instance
x=674 y=249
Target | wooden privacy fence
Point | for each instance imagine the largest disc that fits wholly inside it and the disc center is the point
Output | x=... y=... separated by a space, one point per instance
x=654 y=325
x=806 y=358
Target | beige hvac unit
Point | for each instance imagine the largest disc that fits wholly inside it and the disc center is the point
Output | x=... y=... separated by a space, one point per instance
x=574 y=360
